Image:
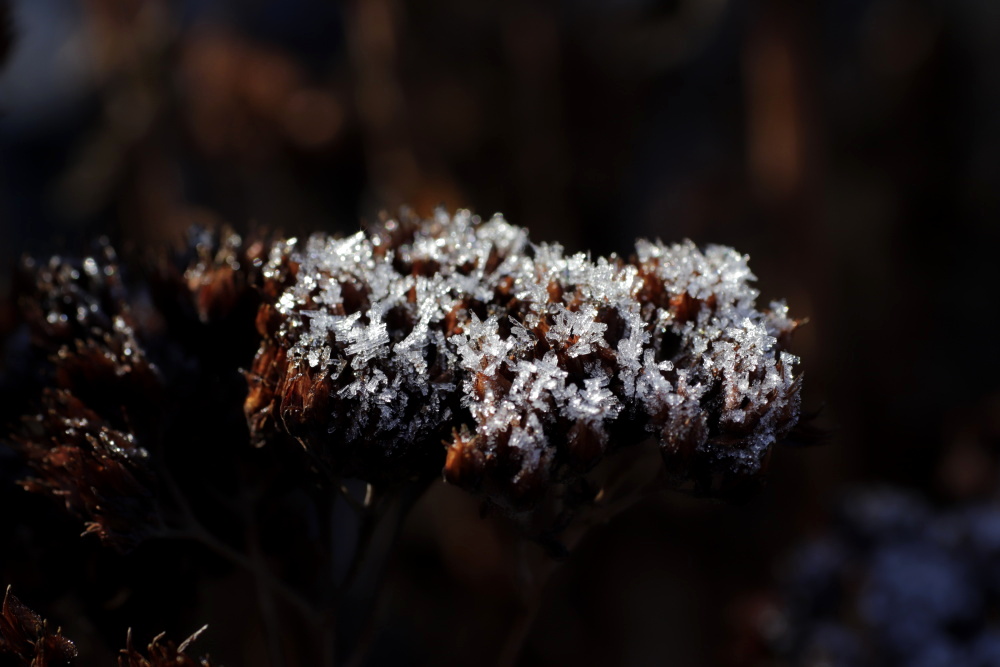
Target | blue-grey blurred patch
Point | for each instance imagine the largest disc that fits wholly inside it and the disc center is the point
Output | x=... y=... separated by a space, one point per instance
x=50 y=69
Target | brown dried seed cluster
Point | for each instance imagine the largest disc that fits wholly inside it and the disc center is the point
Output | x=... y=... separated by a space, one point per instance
x=214 y=275
x=96 y=470
x=529 y=363
x=27 y=640
x=106 y=403
x=82 y=446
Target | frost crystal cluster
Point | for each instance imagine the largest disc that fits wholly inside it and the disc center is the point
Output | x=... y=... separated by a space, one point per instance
x=528 y=363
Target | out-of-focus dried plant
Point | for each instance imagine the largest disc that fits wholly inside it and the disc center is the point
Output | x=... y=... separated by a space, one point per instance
x=25 y=639
x=81 y=445
x=98 y=471
x=162 y=652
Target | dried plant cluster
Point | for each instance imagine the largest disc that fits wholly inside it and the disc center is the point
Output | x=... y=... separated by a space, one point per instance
x=531 y=364
x=161 y=652
x=82 y=445
x=25 y=639
x=106 y=407
x=448 y=345
x=109 y=416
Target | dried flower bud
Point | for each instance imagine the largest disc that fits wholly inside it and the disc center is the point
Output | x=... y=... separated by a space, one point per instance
x=378 y=346
x=215 y=274
x=66 y=299
x=79 y=314
x=162 y=653
x=26 y=638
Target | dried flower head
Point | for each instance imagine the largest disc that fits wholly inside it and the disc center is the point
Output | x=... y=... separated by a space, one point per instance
x=83 y=446
x=531 y=364
x=107 y=412
x=214 y=275
x=27 y=640
x=79 y=314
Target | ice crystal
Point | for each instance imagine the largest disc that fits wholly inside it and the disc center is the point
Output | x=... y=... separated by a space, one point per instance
x=530 y=363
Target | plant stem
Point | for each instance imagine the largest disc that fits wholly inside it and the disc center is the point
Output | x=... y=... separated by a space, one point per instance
x=268 y=615
x=387 y=516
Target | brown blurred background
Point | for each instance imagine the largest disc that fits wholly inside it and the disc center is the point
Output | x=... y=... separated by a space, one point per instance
x=848 y=146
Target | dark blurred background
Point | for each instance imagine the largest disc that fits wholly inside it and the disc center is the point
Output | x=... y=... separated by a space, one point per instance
x=848 y=146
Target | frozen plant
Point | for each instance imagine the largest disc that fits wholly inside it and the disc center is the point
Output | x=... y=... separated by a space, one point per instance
x=366 y=368
x=531 y=364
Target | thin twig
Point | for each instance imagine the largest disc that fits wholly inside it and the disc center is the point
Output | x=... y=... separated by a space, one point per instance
x=268 y=614
x=396 y=506
x=619 y=494
x=193 y=530
x=531 y=587
x=370 y=519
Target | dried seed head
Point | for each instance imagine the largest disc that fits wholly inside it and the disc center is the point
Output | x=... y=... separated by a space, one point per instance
x=96 y=470
x=82 y=446
x=213 y=276
x=530 y=363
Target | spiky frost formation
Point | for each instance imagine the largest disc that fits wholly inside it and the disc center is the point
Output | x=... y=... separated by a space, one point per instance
x=531 y=363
